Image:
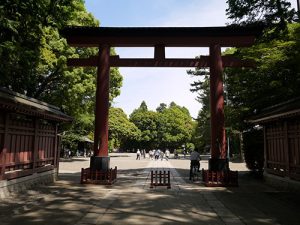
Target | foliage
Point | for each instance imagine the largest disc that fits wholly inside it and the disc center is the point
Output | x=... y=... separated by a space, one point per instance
x=70 y=141
x=268 y=12
x=34 y=56
x=201 y=131
x=275 y=79
x=168 y=127
x=175 y=126
x=120 y=128
x=147 y=123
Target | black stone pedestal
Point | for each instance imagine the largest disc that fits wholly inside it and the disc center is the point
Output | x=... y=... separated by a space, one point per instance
x=100 y=163
x=218 y=165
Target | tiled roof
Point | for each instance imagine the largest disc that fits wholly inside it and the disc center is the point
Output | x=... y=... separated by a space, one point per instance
x=286 y=109
x=13 y=101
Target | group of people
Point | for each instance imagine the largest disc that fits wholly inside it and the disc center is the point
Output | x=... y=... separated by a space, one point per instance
x=155 y=154
x=159 y=154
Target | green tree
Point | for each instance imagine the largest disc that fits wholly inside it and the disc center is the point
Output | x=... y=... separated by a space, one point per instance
x=175 y=126
x=147 y=122
x=267 y=12
x=121 y=130
x=161 y=107
x=201 y=131
x=35 y=54
x=276 y=77
x=169 y=127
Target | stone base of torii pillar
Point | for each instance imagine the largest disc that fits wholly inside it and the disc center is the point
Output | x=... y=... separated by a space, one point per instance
x=100 y=163
x=218 y=164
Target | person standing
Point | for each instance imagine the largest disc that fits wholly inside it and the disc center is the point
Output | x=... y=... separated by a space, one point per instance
x=151 y=154
x=162 y=155
x=138 y=155
x=167 y=153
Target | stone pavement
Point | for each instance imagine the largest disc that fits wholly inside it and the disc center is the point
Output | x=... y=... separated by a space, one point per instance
x=131 y=201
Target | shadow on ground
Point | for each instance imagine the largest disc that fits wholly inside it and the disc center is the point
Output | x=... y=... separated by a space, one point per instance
x=125 y=202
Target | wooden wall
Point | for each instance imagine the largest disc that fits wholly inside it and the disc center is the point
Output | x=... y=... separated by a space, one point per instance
x=27 y=145
x=282 y=148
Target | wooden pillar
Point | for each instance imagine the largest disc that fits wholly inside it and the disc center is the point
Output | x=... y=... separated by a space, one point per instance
x=102 y=103
x=5 y=146
x=218 y=138
x=266 y=154
x=286 y=149
x=35 y=153
x=56 y=152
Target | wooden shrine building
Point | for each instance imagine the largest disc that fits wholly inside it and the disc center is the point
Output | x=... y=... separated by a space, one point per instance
x=29 y=141
x=281 y=125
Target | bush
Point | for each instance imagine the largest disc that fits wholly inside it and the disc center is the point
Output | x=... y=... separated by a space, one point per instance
x=254 y=150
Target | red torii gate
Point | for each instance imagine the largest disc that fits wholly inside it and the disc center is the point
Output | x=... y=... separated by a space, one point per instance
x=159 y=38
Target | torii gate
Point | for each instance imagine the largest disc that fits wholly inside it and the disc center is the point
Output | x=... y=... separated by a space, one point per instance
x=159 y=38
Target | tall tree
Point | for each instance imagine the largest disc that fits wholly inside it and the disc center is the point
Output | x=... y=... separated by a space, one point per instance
x=275 y=79
x=121 y=129
x=34 y=56
x=175 y=126
x=269 y=12
x=201 y=131
x=147 y=122
x=161 y=107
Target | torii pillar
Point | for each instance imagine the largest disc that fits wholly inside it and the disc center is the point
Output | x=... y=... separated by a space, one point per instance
x=100 y=160
x=218 y=161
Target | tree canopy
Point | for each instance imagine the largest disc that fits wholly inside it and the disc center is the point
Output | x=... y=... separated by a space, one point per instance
x=169 y=127
x=276 y=77
x=34 y=56
x=270 y=13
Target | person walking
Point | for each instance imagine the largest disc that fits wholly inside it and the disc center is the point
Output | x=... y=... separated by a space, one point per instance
x=157 y=154
x=138 y=155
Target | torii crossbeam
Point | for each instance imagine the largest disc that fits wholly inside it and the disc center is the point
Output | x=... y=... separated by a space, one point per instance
x=159 y=38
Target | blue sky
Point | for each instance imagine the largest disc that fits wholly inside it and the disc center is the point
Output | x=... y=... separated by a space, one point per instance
x=158 y=85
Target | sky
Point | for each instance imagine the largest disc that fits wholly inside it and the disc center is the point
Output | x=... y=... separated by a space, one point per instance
x=158 y=85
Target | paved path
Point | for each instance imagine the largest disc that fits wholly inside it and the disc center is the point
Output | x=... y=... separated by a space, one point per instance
x=131 y=201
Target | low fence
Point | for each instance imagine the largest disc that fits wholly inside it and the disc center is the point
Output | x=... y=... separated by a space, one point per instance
x=89 y=176
x=160 y=178
x=220 y=178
